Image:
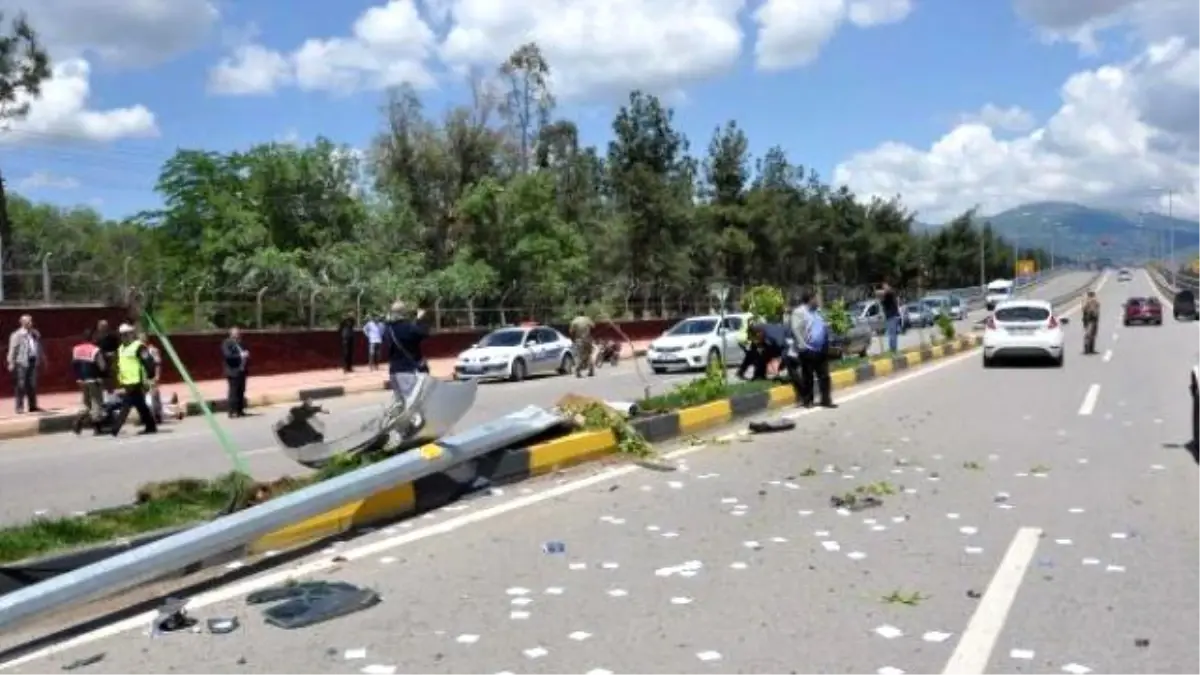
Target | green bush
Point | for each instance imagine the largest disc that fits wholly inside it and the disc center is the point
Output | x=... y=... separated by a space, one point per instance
x=945 y=325
x=765 y=302
x=839 y=318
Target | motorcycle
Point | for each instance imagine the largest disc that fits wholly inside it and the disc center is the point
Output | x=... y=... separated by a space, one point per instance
x=608 y=351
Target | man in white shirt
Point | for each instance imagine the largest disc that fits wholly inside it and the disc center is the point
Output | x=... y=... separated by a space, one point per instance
x=24 y=357
x=373 y=329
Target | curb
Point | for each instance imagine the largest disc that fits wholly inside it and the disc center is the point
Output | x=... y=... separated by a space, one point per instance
x=63 y=422
x=507 y=466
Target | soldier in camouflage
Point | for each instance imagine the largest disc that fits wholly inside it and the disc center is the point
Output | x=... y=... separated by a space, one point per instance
x=581 y=333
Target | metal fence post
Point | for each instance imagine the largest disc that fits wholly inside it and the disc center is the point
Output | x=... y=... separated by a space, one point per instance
x=46 y=294
x=258 y=310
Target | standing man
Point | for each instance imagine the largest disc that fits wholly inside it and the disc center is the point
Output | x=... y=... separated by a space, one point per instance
x=1091 y=322
x=109 y=343
x=799 y=323
x=24 y=356
x=812 y=339
x=373 y=329
x=407 y=367
x=346 y=335
x=581 y=332
x=891 y=315
x=237 y=361
x=135 y=372
x=87 y=364
x=153 y=395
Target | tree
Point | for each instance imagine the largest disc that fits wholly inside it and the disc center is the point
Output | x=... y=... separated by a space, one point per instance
x=24 y=65
x=528 y=101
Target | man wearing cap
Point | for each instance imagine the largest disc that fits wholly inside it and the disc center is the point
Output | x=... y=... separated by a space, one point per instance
x=406 y=364
x=135 y=371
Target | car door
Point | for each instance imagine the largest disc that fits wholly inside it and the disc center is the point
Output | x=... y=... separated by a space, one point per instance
x=732 y=326
x=553 y=346
x=874 y=316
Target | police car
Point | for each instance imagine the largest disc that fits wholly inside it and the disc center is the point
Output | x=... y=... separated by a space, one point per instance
x=515 y=353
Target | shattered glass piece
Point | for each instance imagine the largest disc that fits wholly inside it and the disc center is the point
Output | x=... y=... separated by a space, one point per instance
x=221 y=626
x=314 y=602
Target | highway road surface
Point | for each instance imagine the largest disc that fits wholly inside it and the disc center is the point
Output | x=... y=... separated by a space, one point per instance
x=60 y=474
x=1031 y=520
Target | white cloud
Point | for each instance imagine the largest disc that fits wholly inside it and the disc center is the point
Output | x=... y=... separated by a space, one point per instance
x=388 y=45
x=44 y=180
x=135 y=33
x=1012 y=118
x=62 y=112
x=791 y=33
x=1122 y=129
x=1082 y=21
x=602 y=47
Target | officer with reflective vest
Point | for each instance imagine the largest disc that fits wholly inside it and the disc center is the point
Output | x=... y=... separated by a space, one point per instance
x=135 y=374
x=87 y=364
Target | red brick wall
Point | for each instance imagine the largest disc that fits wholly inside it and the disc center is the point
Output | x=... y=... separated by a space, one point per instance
x=271 y=352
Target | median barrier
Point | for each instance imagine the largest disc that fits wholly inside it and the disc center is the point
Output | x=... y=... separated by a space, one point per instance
x=444 y=482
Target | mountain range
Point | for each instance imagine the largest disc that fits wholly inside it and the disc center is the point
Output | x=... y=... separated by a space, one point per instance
x=1078 y=231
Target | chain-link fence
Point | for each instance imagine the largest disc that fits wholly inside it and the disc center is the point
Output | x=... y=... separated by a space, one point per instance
x=32 y=288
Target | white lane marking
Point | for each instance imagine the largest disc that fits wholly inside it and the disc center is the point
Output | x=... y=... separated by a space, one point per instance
x=1170 y=306
x=979 y=639
x=370 y=550
x=1089 y=400
x=1107 y=356
x=276 y=577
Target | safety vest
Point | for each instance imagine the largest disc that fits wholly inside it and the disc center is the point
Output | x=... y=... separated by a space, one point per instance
x=129 y=364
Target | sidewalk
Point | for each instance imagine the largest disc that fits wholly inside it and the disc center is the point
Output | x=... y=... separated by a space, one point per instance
x=263 y=390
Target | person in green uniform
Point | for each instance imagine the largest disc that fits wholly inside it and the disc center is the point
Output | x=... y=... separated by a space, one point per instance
x=135 y=372
x=581 y=332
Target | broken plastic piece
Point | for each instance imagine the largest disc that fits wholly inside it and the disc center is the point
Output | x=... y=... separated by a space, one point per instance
x=771 y=426
x=172 y=617
x=85 y=661
x=221 y=626
x=312 y=602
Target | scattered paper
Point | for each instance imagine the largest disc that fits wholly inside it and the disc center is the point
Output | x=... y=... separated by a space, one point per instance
x=952 y=516
x=708 y=656
x=878 y=528
x=729 y=500
x=554 y=590
x=681 y=600
x=387 y=560
x=831 y=545
x=889 y=670
x=1023 y=654
x=669 y=535
x=517 y=590
x=577 y=566
x=968 y=530
x=973 y=550
x=804 y=513
x=580 y=635
x=1091 y=561
x=738 y=565
x=610 y=565
x=536 y=652
x=618 y=592
x=1119 y=535
x=1076 y=669
x=354 y=654
x=467 y=639
x=599 y=671
x=779 y=540
x=752 y=544
x=856 y=555
x=518 y=615
x=1114 y=568
x=1063 y=542
x=1075 y=509
x=936 y=636
x=674 y=485
x=653 y=528
x=378 y=669
x=889 y=632
x=821 y=533
x=521 y=602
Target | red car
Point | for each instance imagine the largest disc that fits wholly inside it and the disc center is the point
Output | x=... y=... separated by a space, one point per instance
x=1143 y=310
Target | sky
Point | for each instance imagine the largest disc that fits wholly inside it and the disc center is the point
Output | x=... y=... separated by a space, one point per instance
x=949 y=104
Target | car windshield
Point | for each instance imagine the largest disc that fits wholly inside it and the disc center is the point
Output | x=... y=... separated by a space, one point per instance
x=955 y=302
x=1135 y=302
x=914 y=307
x=933 y=302
x=693 y=327
x=1022 y=313
x=1184 y=297
x=503 y=338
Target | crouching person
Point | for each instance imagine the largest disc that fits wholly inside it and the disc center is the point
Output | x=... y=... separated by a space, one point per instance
x=87 y=364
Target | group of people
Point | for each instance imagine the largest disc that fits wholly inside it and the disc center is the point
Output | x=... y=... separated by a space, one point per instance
x=116 y=373
x=802 y=345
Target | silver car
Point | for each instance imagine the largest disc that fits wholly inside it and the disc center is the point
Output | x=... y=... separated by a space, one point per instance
x=918 y=315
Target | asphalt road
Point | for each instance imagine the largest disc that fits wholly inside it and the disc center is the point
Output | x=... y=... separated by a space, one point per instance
x=60 y=474
x=1032 y=520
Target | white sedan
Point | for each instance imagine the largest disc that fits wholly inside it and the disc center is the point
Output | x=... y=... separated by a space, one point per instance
x=698 y=342
x=516 y=353
x=1023 y=329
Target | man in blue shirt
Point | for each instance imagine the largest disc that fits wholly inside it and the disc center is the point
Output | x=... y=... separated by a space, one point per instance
x=812 y=336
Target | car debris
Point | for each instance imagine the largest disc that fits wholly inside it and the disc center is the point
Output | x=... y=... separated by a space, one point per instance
x=770 y=426
x=307 y=603
x=173 y=617
x=85 y=661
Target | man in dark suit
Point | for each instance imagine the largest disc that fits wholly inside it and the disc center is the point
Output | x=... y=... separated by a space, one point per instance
x=236 y=360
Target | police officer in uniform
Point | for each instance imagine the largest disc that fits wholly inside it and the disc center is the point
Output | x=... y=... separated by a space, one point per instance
x=581 y=333
x=87 y=363
x=135 y=371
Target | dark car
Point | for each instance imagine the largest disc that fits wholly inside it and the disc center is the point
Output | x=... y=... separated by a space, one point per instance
x=1143 y=310
x=1185 y=305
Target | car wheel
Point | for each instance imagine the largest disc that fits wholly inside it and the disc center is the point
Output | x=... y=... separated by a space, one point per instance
x=519 y=371
x=989 y=362
x=568 y=364
x=659 y=371
x=1058 y=363
x=1127 y=323
x=714 y=356
x=1158 y=322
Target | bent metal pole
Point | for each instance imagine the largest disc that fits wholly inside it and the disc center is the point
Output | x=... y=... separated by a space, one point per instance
x=154 y=560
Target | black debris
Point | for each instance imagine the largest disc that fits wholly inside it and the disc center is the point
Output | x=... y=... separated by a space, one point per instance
x=172 y=617
x=974 y=594
x=84 y=662
x=770 y=426
x=340 y=559
x=1142 y=642
x=311 y=602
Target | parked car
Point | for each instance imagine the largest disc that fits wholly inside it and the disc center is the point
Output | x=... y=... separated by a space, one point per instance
x=869 y=312
x=856 y=341
x=515 y=353
x=917 y=315
x=950 y=305
x=697 y=342
x=1023 y=328
x=1185 y=305
x=1143 y=310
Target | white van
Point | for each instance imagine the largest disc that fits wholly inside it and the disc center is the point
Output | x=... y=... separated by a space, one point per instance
x=998 y=291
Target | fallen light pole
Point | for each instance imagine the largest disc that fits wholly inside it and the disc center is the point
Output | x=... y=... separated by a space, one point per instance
x=146 y=563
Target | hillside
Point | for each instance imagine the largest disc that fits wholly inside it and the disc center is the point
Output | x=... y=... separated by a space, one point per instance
x=1091 y=232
